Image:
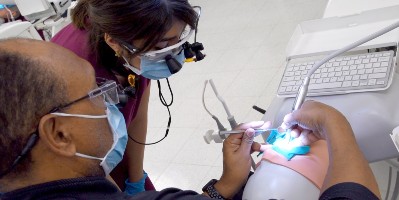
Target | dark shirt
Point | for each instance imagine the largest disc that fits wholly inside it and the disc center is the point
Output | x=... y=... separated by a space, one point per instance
x=99 y=188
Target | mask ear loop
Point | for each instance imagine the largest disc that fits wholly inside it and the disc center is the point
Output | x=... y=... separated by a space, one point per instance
x=167 y=105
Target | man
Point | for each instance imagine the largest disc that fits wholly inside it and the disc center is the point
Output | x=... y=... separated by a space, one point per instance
x=60 y=133
x=55 y=132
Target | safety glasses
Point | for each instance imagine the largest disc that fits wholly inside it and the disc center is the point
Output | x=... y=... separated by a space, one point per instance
x=106 y=93
x=162 y=53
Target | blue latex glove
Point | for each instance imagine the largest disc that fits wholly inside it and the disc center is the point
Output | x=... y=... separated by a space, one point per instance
x=136 y=187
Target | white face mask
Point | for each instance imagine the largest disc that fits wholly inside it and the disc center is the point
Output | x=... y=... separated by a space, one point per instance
x=119 y=132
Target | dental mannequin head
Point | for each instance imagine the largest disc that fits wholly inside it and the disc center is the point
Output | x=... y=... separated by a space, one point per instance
x=299 y=178
x=110 y=24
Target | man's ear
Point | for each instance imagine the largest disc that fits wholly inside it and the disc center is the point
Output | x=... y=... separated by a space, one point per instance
x=55 y=135
x=113 y=43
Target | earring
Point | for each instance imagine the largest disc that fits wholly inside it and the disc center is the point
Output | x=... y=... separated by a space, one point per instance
x=117 y=54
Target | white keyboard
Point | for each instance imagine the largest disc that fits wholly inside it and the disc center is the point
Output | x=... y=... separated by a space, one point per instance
x=345 y=74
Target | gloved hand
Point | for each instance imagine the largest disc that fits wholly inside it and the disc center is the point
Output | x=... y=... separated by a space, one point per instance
x=136 y=187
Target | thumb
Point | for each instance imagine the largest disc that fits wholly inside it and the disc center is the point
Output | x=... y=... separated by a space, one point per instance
x=247 y=140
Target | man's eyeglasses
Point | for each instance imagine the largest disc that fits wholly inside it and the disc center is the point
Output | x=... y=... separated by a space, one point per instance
x=106 y=93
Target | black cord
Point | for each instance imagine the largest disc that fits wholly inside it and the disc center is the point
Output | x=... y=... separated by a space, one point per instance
x=29 y=145
x=167 y=105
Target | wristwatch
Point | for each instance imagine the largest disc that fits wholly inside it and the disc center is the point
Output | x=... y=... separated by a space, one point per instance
x=211 y=191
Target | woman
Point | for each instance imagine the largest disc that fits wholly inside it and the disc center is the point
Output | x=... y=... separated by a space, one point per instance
x=115 y=37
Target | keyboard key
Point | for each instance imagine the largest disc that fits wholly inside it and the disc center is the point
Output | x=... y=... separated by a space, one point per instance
x=344 y=68
x=348 y=78
x=353 y=72
x=361 y=66
x=346 y=58
x=282 y=89
x=329 y=65
x=309 y=67
x=354 y=57
x=355 y=83
x=296 y=68
x=338 y=74
x=345 y=73
x=326 y=80
x=333 y=79
x=302 y=67
x=288 y=78
x=337 y=69
x=289 y=69
x=331 y=69
x=351 y=62
x=369 y=71
x=362 y=56
x=341 y=78
x=352 y=67
x=360 y=71
x=289 y=74
x=320 y=80
x=317 y=71
x=363 y=83
x=298 y=82
x=380 y=82
x=324 y=75
x=331 y=74
x=386 y=54
x=358 y=62
x=373 y=60
x=297 y=73
x=304 y=72
x=380 y=70
x=335 y=64
x=378 y=75
x=378 y=55
x=317 y=76
x=376 y=65
x=368 y=65
x=325 y=85
x=372 y=81
x=297 y=78
x=365 y=61
x=363 y=77
x=289 y=89
x=347 y=84
x=356 y=77
x=343 y=62
x=295 y=88
x=324 y=70
x=312 y=81
x=383 y=59
x=384 y=64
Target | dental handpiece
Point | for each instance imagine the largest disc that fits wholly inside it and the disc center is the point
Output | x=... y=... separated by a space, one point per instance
x=257 y=131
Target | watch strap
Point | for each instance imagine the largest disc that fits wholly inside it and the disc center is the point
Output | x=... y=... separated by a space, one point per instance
x=211 y=190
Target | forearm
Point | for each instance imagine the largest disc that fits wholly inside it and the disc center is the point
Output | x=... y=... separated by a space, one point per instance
x=135 y=156
x=138 y=131
x=347 y=163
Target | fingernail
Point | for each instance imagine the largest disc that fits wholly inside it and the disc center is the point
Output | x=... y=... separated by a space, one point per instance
x=250 y=133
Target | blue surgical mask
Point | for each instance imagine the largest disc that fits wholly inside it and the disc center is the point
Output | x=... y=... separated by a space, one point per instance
x=119 y=132
x=155 y=70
